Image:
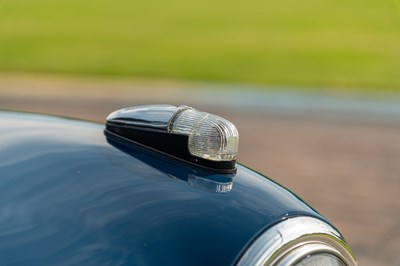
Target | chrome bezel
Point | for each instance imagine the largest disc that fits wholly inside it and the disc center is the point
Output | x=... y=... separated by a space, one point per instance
x=295 y=238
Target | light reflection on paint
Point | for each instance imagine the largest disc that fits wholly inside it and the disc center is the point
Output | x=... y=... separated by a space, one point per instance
x=209 y=185
x=69 y=197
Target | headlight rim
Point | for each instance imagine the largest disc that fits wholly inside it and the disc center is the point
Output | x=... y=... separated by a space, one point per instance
x=281 y=239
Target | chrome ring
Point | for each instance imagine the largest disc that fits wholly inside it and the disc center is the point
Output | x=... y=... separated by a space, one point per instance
x=291 y=240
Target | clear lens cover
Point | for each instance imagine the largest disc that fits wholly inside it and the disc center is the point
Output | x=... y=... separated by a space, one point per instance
x=320 y=259
x=210 y=137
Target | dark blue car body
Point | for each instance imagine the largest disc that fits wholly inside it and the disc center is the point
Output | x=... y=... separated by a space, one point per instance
x=70 y=194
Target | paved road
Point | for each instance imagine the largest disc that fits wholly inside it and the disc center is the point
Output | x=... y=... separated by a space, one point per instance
x=347 y=167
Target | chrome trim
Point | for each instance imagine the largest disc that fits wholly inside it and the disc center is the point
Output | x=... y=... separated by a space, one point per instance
x=291 y=240
x=148 y=116
x=298 y=254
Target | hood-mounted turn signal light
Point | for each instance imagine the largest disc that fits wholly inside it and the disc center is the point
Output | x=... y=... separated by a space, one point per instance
x=182 y=132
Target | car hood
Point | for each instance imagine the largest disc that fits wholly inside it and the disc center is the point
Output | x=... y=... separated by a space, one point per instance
x=71 y=195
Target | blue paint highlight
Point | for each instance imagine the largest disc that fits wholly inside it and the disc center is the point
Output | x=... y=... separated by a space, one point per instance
x=69 y=195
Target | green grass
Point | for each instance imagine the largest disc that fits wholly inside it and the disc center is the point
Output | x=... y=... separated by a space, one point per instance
x=312 y=43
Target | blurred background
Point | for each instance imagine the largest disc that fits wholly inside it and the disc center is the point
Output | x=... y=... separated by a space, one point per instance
x=313 y=86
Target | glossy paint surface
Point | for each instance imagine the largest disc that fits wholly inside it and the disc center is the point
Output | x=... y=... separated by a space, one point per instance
x=71 y=195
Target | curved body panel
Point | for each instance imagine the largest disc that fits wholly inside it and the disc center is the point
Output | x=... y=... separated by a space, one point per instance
x=69 y=194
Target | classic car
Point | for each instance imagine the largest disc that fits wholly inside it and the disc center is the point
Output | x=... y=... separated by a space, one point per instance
x=155 y=185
